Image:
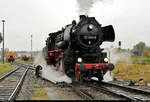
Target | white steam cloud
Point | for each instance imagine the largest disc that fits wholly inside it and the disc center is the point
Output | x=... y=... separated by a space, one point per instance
x=50 y=72
x=38 y=58
x=85 y=5
x=118 y=56
x=108 y=76
x=115 y=56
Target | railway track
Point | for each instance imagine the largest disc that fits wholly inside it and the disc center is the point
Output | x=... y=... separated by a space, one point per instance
x=81 y=92
x=123 y=92
x=97 y=92
x=133 y=94
x=118 y=92
x=84 y=94
x=25 y=65
x=84 y=91
x=110 y=92
x=11 y=83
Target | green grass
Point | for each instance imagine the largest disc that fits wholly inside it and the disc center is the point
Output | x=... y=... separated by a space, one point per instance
x=4 y=68
x=30 y=61
x=140 y=60
x=39 y=94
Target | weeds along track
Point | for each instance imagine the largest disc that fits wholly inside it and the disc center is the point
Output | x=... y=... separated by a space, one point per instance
x=11 y=82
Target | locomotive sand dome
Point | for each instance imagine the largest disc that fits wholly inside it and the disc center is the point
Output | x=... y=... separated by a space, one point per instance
x=76 y=49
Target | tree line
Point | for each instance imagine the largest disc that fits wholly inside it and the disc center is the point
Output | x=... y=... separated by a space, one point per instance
x=141 y=49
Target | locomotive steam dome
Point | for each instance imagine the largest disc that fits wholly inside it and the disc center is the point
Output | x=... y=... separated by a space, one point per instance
x=89 y=33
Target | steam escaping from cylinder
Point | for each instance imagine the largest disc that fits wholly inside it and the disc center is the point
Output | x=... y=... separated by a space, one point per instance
x=118 y=56
x=84 y=6
x=50 y=72
x=108 y=76
x=115 y=57
x=38 y=58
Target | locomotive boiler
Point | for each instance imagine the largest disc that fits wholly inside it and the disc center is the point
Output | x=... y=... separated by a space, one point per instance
x=76 y=49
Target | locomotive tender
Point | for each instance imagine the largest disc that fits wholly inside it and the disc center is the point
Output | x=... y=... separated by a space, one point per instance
x=76 y=49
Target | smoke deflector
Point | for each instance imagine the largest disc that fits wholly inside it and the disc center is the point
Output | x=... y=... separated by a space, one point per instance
x=109 y=33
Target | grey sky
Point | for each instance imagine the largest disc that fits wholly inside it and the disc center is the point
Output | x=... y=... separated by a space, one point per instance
x=130 y=18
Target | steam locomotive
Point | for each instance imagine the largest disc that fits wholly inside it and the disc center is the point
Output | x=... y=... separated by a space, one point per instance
x=76 y=49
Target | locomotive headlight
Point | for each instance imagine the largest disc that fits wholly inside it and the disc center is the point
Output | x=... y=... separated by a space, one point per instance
x=91 y=26
x=105 y=59
x=79 y=60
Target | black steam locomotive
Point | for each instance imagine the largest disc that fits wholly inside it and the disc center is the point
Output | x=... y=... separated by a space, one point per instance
x=76 y=49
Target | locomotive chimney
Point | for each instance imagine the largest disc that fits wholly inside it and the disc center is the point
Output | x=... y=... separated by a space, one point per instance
x=82 y=17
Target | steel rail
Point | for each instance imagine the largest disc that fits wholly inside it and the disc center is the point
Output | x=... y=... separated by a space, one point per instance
x=133 y=91
x=112 y=92
x=16 y=90
x=127 y=87
x=24 y=65
x=81 y=92
x=7 y=74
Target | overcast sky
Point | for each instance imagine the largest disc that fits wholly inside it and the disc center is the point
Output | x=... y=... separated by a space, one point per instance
x=130 y=19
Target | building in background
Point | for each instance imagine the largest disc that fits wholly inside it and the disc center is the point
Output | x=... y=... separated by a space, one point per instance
x=19 y=54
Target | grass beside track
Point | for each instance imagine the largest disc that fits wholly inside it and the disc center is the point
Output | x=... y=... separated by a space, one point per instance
x=140 y=60
x=39 y=94
x=132 y=72
x=30 y=61
x=4 y=68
